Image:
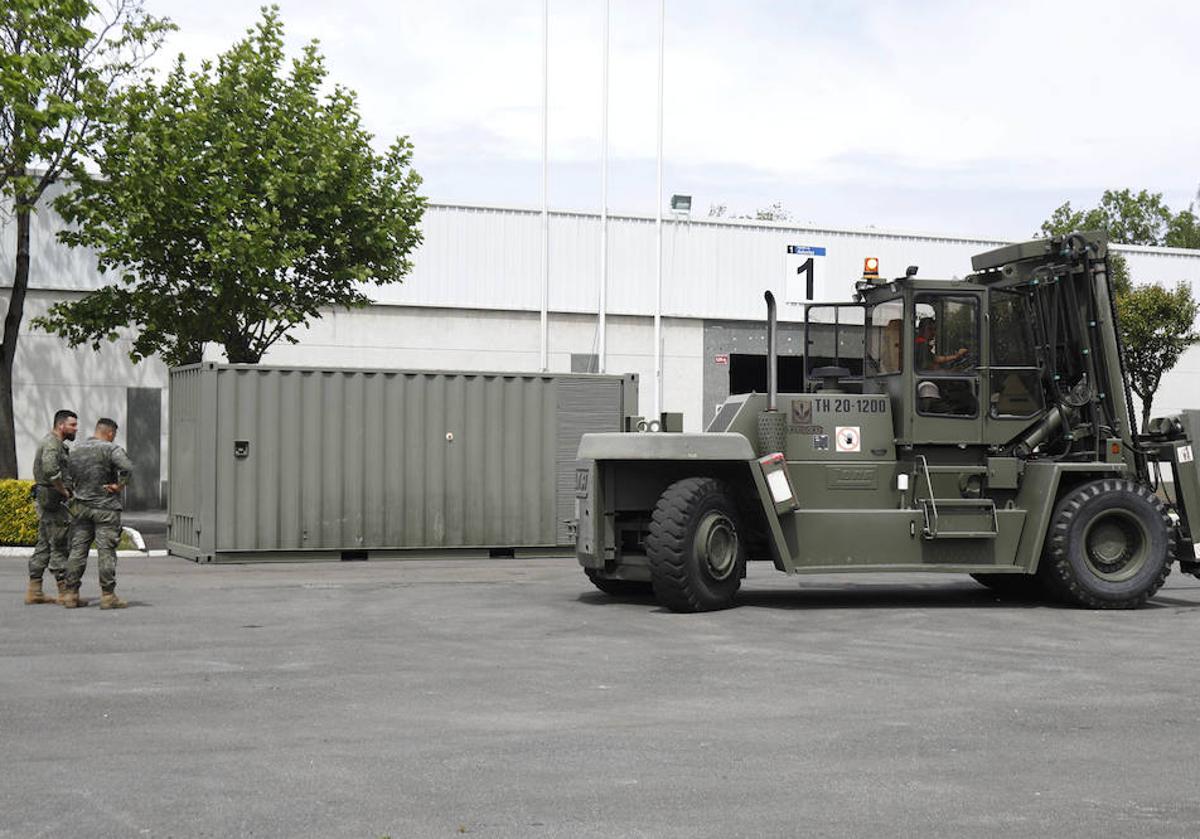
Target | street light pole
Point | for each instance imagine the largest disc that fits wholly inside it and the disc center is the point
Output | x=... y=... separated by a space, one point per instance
x=545 y=310
x=602 y=326
x=658 y=201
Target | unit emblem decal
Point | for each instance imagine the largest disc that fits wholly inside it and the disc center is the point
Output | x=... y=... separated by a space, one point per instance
x=802 y=418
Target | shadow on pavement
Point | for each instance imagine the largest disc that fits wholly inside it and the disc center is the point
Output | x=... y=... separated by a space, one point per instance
x=886 y=597
x=881 y=596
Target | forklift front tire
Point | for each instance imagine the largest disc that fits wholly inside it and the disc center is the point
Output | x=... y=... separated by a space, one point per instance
x=1110 y=545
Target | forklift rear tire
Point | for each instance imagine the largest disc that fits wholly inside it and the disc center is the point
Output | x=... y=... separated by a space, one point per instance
x=619 y=588
x=696 y=548
x=1110 y=545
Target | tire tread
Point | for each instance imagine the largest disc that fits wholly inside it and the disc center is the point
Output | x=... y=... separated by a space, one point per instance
x=1056 y=570
x=666 y=547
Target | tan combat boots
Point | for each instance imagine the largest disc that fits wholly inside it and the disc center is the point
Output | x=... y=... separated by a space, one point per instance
x=34 y=594
x=109 y=600
x=72 y=600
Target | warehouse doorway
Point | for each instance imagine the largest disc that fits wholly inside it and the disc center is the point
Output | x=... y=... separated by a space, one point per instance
x=143 y=442
x=748 y=373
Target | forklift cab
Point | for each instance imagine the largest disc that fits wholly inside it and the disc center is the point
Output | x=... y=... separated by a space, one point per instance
x=957 y=359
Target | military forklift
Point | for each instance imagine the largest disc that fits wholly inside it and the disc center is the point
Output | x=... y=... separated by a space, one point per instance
x=991 y=433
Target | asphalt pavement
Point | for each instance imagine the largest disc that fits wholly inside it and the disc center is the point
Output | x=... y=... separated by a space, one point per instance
x=506 y=698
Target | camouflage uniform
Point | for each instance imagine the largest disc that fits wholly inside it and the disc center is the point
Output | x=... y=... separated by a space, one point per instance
x=96 y=513
x=50 y=465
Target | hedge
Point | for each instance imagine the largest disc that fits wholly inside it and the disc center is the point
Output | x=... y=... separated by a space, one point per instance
x=18 y=515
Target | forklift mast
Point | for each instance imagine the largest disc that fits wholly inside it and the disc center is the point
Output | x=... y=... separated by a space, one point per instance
x=1066 y=283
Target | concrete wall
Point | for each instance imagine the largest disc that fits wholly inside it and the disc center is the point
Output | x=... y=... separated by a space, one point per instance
x=456 y=339
x=48 y=376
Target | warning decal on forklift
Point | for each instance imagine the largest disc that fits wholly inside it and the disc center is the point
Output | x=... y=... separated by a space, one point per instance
x=848 y=439
x=1185 y=454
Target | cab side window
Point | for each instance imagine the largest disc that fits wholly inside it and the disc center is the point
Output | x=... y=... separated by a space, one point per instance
x=946 y=355
x=885 y=335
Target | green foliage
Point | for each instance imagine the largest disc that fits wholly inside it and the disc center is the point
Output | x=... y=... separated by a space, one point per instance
x=1131 y=219
x=18 y=513
x=1184 y=230
x=1158 y=325
x=235 y=203
x=56 y=76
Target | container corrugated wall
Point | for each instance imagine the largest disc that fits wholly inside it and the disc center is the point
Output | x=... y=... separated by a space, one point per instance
x=267 y=459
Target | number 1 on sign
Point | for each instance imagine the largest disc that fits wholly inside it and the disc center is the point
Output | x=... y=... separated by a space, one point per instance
x=804 y=273
x=805 y=270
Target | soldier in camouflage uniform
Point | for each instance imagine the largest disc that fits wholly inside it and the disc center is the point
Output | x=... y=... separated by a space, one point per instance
x=52 y=490
x=100 y=469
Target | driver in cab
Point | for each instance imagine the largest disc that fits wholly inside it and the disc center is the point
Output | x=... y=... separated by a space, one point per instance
x=927 y=347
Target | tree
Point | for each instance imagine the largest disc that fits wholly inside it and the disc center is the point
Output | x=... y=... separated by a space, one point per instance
x=1132 y=219
x=1157 y=325
x=60 y=62
x=773 y=212
x=235 y=203
x=1184 y=229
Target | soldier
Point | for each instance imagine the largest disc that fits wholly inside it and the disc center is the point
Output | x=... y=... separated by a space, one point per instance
x=927 y=357
x=51 y=492
x=100 y=469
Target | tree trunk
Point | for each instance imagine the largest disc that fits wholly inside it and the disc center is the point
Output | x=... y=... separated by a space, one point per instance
x=1147 y=401
x=239 y=350
x=8 y=349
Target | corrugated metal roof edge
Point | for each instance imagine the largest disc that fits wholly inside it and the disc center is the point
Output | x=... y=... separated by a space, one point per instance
x=781 y=225
x=416 y=371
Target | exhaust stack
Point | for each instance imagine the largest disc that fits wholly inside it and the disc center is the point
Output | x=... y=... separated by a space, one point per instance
x=772 y=355
x=772 y=425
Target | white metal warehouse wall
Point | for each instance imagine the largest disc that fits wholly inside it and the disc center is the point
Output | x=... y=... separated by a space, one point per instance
x=487 y=258
x=472 y=298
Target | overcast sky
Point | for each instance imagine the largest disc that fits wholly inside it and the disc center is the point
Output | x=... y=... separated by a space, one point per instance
x=959 y=117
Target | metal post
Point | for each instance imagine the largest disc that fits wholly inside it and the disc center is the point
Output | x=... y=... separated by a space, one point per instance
x=545 y=354
x=772 y=354
x=602 y=326
x=658 y=199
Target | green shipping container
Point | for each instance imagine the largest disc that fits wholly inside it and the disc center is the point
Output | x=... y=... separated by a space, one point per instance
x=273 y=463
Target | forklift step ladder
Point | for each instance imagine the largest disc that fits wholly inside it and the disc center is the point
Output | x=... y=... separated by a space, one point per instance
x=956 y=518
